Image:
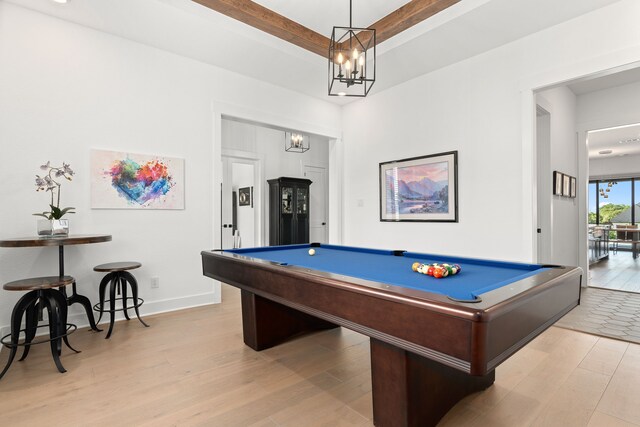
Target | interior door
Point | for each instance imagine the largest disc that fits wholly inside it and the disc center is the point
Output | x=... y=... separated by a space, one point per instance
x=226 y=199
x=317 y=203
x=240 y=214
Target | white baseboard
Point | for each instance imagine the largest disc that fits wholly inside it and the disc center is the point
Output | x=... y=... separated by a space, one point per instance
x=147 y=309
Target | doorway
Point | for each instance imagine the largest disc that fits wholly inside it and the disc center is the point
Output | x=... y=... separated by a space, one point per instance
x=543 y=145
x=318 y=207
x=241 y=201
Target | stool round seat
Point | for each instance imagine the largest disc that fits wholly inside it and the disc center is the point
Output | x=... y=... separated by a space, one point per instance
x=117 y=266
x=38 y=283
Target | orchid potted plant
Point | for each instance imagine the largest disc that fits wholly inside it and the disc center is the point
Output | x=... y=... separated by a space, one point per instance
x=53 y=225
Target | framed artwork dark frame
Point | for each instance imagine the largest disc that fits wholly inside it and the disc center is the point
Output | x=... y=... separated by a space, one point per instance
x=557 y=183
x=244 y=196
x=430 y=193
x=566 y=185
x=572 y=189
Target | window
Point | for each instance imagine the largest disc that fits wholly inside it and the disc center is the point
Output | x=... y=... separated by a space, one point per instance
x=610 y=201
x=614 y=202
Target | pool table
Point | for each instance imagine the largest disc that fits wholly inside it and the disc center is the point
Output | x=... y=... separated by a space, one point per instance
x=433 y=341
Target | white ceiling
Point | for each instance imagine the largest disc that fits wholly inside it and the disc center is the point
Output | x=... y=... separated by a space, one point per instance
x=465 y=29
x=595 y=83
x=622 y=141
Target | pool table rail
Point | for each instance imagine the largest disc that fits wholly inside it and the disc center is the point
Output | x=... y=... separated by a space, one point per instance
x=420 y=322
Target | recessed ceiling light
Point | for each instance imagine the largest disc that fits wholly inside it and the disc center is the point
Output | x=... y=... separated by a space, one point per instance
x=342 y=93
x=605 y=152
x=59 y=1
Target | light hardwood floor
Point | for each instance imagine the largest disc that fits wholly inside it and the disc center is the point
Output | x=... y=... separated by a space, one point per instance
x=618 y=272
x=192 y=368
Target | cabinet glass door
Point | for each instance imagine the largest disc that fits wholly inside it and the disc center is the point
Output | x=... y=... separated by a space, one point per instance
x=287 y=200
x=303 y=203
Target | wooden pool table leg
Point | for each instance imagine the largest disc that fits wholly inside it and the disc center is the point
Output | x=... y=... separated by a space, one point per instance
x=266 y=323
x=410 y=390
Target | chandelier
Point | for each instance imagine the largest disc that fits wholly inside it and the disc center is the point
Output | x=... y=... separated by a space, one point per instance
x=604 y=191
x=296 y=142
x=352 y=60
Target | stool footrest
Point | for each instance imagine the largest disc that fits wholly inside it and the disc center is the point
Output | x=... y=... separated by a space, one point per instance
x=96 y=307
x=71 y=328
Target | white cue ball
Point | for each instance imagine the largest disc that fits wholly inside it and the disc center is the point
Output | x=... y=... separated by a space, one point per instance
x=312 y=252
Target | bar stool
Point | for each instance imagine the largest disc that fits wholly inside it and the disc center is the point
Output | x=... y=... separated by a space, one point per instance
x=119 y=277
x=42 y=295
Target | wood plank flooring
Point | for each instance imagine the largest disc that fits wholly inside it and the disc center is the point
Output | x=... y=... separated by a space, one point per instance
x=620 y=272
x=191 y=368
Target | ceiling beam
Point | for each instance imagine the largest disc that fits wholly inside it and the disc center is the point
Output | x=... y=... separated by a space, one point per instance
x=264 y=19
x=270 y=22
x=407 y=16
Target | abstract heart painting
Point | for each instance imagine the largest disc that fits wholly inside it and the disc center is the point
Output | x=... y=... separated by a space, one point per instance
x=136 y=181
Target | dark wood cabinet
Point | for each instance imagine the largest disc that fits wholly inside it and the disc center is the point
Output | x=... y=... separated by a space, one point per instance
x=288 y=211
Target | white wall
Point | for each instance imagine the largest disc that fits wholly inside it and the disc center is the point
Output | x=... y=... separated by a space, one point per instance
x=561 y=104
x=65 y=89
x=269 y=144
x=483 y=107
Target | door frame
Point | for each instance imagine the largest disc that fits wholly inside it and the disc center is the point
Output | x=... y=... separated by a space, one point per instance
x=220 y=110
x=544 y=203
x=257 y=160
x=591 y=68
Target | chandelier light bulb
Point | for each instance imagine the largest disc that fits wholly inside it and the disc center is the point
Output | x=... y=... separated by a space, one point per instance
x=347 y=65
x=355 y=55
x=340 y=58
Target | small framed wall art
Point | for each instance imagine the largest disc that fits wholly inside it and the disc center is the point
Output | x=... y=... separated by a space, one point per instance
x=557 y=183
x=566 y=185
x=572 y=189
x=244 y=196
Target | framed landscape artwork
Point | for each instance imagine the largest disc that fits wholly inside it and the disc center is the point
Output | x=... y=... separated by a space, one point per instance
x=572 y=191
x=136 y=181
x=420 y=188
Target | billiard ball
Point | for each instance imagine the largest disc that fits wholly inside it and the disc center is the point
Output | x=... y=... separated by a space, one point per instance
x=312 y=252
x=415 y=266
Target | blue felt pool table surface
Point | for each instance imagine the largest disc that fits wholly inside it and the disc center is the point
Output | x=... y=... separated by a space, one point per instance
x=475 y=278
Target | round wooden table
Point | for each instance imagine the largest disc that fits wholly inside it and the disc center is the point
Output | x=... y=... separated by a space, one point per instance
x=61 y=242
